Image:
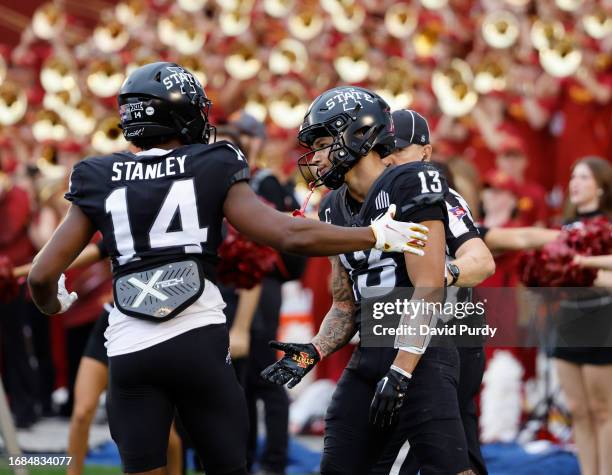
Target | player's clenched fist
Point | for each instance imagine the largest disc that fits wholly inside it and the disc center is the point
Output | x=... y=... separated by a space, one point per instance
x=398 y=236
x=388 y=399
x=299 y=359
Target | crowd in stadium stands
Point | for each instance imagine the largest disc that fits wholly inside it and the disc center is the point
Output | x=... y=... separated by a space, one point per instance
x=515 y=115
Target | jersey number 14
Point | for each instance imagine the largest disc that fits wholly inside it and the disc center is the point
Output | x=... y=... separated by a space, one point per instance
x=181 y=198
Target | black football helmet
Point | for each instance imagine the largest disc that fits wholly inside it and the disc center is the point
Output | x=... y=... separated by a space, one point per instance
x=357 y=119
x=164 y=99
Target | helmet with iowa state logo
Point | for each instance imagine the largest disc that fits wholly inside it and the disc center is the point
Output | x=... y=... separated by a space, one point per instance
x=164 y=100
x=357 y=119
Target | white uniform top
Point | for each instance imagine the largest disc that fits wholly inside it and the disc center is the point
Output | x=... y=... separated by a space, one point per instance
x=127 y=334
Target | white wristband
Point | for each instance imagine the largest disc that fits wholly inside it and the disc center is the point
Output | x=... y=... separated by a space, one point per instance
x=401 y=371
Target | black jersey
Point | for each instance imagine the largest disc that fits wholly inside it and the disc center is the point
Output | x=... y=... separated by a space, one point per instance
x=158 y=205
x=417 y=189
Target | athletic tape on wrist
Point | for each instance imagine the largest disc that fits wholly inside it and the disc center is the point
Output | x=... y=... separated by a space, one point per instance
x=401 y=371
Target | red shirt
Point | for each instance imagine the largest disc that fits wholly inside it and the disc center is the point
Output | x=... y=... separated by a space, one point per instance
x=531 y=204
x=16 y=216
x=584 y=128
x=93 y=284
x=537 y=142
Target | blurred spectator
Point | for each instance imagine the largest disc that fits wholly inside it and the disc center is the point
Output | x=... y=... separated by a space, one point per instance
x=581 y=124
x=19 y=362
x=267 y=305
x=56 y=87
x=512 y=161
x=499 y=200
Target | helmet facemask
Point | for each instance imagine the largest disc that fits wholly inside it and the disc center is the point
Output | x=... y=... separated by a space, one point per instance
x=343 y=156
x=198 y=129
x=357 y=120
x=339 y=156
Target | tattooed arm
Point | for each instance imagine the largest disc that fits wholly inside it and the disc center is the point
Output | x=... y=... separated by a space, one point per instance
x=336 y=330
x=338 y=326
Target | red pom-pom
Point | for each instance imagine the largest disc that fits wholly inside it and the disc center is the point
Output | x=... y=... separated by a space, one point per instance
x=243 y=263
x=9 y=288
x=553 y=266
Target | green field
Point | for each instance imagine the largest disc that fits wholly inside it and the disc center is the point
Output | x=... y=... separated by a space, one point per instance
x=89 y=470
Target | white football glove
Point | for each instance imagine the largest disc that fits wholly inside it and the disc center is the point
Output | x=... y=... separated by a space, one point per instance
x=65 y=298
x=397 y=236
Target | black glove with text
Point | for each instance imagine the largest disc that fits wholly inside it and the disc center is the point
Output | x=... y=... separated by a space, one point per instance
x=299 y=359
x=388 y=399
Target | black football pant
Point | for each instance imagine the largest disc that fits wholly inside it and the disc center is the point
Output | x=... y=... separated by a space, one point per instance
x=472 y=364
x=429 y=425
x=20 y=367
x=273 y=396
x=192 y=374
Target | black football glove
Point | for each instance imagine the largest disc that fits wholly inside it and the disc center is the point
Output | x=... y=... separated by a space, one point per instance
x=388 y=399
x=299 y=359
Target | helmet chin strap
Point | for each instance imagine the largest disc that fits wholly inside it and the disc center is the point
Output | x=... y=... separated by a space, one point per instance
x=301 y=213
x=342 y=164
x=369 y=139
x=334 y=178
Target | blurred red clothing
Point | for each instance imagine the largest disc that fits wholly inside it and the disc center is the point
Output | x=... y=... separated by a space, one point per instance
x=479 y=152
x=93 y=284
x=531 y=204
x=94 y=287
x=16 y=216
x=583 y=127
x=537 y=143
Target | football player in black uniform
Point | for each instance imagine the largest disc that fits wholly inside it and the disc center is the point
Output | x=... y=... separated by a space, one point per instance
x=160 y=212
x=383 y=397
x=469 y=262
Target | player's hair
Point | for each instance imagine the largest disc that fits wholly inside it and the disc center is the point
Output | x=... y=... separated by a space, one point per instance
x=602 y=173
x=146 y=143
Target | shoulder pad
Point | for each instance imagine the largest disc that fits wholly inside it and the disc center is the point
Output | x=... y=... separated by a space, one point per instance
x=97 y=159
x=226 y=146
x=426 y=199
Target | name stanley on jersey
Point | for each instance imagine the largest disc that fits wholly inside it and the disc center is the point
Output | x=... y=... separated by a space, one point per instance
x=129 y=171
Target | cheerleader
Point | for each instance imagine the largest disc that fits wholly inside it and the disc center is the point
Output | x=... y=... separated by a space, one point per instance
x=585 y=373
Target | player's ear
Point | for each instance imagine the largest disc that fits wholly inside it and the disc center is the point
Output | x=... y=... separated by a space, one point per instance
x=427 y=151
